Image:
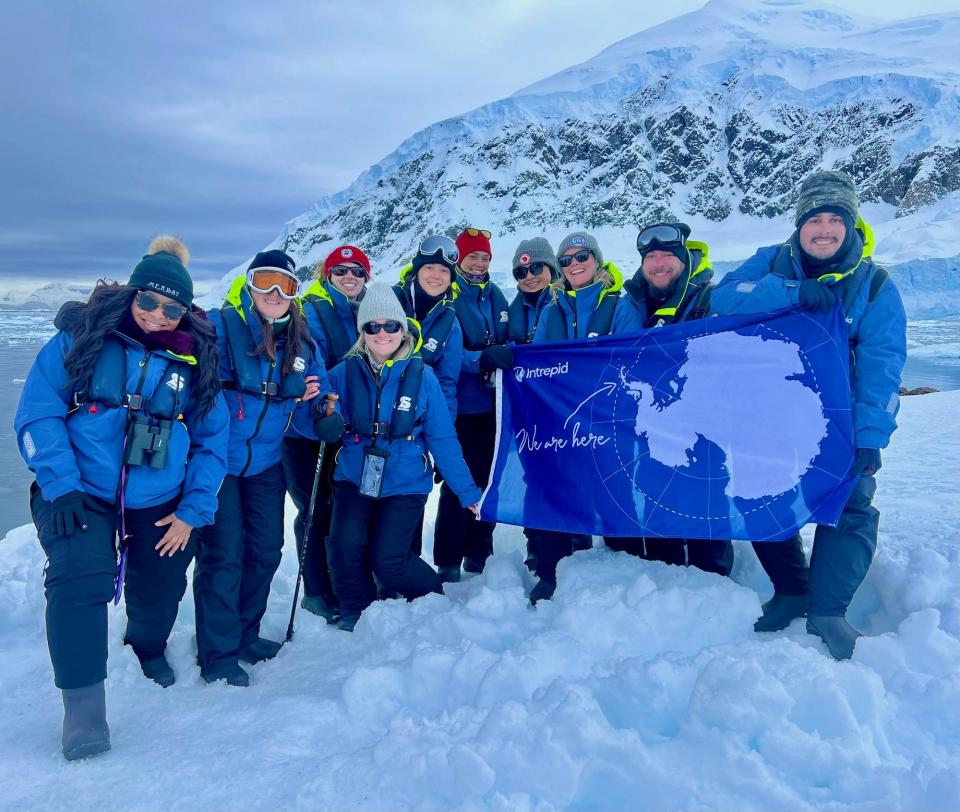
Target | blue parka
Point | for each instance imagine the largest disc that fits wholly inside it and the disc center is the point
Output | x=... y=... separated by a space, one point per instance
x=770 y=280
x=408 y=468
x=258 y=424
x=525 y=315
x=447 y=359
x=577 y=306
x=484 y=318
x=689 y=299
x=319 y=295
x=82 y=449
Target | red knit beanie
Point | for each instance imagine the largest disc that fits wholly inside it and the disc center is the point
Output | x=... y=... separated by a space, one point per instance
x=343 y=254
x=467 y=244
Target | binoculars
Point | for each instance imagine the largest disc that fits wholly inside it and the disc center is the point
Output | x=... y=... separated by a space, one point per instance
x=148 y=441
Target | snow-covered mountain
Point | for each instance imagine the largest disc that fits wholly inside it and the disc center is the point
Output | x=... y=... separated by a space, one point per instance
x=48 y=296
x=713 y=116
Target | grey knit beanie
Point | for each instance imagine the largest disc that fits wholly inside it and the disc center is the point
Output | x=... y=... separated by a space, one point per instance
x=380 y=302
x=827 y=190
x=538 y=249
x=580 y=239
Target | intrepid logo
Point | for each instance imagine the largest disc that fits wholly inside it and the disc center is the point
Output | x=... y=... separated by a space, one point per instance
x=522 y=374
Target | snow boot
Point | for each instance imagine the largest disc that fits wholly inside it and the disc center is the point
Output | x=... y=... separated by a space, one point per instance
x=318 y=605
x=347 y=622
x=233 y=673
x=543 y=591
x=449 y=575
x=780 y=611
x=259 y=650
x=159 y=670
x=85 y=730
x=839 y=635
x=473 y=566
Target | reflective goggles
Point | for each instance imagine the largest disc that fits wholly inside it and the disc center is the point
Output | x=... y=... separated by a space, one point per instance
x=343 y=270
x=476 y=232
x=437 y=243
x=266 y=280
x=534 y=269
x=371 y=328
x=567 y=259
x=664 y=234
x=148 y=302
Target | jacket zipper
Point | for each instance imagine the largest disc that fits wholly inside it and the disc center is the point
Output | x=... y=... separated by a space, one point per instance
x=256 y=429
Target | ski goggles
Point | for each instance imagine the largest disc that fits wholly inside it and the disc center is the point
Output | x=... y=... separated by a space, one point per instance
x=664 y=234
x=478 y=232
x=266 y=280
x=437 y=243
x=391 y=326
x=171 y=310
x=534 y=269
x=343 y=270
x=567 y=259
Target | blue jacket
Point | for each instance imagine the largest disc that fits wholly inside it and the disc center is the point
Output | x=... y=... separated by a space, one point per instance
x=877 y=329
x=689 y=299
x=525 y=315
x=258 y=424
x=332 y=348
x=481 y=305
x=82 y=449
x=408 y=468
x=577 y=306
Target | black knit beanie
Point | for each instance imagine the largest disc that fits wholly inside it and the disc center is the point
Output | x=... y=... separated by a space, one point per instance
x=163 y=273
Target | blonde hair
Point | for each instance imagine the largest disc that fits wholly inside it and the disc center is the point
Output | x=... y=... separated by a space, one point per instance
x=600 y=274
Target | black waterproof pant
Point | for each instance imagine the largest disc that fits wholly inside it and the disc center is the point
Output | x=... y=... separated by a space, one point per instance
x=458 y=535
x=709 y=556
x=549 y=547
x=300 y=468
x=840 y=560
x=374 y=534
x=237 y=557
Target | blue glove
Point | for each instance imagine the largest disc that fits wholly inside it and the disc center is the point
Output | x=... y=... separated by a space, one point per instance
x=867 y=462
x=816 y=297
x=69 y=515
x=328 y=427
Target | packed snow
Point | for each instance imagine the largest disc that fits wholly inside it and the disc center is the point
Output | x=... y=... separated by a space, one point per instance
x=639 y=686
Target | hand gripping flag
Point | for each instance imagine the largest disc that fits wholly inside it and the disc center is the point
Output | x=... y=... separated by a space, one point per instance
x=727 y=427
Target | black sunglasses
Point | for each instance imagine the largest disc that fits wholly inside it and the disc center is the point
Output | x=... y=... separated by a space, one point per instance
x=567 y=259
x=148 y=302
x=343 y=270
x=371 y=328
x=665 y=234
x=535 y=269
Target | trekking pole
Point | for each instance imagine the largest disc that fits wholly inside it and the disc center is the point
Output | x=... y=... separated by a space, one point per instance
x=308 y=523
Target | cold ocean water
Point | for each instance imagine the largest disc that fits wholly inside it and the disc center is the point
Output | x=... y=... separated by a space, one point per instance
x=934 y=360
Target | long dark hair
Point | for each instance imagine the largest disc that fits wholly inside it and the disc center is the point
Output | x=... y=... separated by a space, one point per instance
x=296 y=337
x=93 y=321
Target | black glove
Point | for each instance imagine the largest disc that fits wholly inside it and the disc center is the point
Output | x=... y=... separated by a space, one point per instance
x=496 y=357
x=816 y=297
x=69 y=515
x=867 y=462
x=328 y=427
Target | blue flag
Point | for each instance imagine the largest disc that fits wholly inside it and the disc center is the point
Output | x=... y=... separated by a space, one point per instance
x=727 y=427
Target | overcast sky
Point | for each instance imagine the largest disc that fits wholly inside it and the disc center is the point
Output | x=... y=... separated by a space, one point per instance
x=219 y=122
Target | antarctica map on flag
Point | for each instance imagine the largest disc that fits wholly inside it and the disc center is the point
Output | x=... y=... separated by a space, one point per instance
x=733 y=427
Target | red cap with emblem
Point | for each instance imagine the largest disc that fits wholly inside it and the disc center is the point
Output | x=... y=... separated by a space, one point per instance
x=344 y=255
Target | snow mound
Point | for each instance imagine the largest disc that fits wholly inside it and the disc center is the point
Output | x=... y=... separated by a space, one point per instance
x=640 y=686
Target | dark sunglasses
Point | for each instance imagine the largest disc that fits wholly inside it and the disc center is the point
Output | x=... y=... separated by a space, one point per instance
x=148 y=302
x=665 y=234
x=534 y=269
x=567 y=259
x=343 y=270
x=437 y=243
x=371 y=328
x=476 y=232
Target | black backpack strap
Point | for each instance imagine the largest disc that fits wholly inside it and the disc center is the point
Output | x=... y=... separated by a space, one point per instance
x=879 y=279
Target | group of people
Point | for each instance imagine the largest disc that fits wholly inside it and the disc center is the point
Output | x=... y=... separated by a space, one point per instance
x=160 y=434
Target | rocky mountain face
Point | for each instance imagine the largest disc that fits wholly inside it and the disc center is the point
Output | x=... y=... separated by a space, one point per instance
x=719 y=113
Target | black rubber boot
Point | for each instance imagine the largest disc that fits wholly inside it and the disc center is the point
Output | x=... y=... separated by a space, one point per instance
x=780 y=611
x=543 y=591
x=232 y=673
x=260 y=650
x=319 y=606
x=473 y=566
x=347 y=622
x=449 y=575
x=159 y=670
x=840 y=636
x=85 y=730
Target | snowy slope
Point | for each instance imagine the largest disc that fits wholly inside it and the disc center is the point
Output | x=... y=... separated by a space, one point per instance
x=640 y=687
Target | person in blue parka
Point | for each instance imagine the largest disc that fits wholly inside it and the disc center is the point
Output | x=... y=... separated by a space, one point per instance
x=268 y=365
x=330 y=306
x=826 y=262
x=396 y=419
x=123 y=424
